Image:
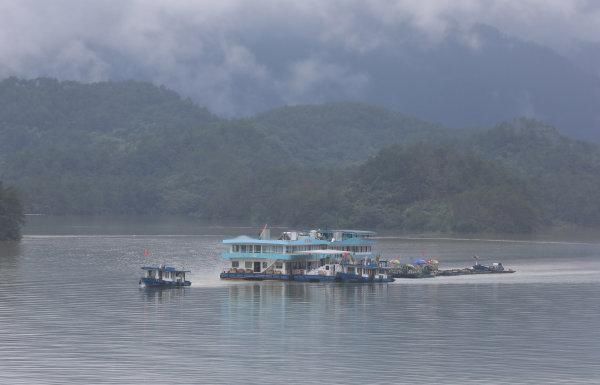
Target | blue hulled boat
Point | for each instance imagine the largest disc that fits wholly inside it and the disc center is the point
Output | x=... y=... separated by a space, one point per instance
x=311 y=256
x=164 y=276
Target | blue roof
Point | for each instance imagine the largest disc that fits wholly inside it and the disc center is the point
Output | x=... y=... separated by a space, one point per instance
x=165 y=268
x=245 y=240
x=358 y=232
x=353 y=241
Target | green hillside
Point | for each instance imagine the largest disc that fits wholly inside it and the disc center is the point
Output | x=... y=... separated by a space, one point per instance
x=344 y=132
x=427 y=187
x=134 y=148
x=563 y=173
x=49 y=107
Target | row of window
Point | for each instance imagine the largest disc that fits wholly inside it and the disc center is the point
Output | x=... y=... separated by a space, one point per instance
x=293 y=249
x=250 y=264
x=256 y=249
x=353 y=249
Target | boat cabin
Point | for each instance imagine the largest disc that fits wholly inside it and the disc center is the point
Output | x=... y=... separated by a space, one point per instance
x=165 y=274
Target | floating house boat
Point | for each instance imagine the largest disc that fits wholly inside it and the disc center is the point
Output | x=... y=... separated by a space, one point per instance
x=311 y=256
x=163 y=276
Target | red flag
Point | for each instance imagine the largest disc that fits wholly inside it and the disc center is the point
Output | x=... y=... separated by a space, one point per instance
x=146 y=253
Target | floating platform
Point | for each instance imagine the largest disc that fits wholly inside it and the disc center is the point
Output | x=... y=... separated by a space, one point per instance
x=340 y=277
x=470 y=271
x=429 y=269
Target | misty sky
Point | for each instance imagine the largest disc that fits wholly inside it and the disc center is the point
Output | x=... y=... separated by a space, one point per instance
x=221 y=52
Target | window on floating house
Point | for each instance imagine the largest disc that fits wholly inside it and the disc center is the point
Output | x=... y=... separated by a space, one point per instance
x=278 y=265
x=248 y=264
x=257 y=248
x=235 y=263
x=265 y=265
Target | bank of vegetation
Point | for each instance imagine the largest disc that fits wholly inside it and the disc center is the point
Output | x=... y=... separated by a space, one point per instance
x=11 y=214
x=133 y=148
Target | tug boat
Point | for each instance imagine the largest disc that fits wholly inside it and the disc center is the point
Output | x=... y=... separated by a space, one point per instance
x=163 y=276
x=310 y=256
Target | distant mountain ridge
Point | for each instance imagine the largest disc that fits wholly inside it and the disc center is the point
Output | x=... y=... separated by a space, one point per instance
x=343 y=132
x=462 y=76
x=104 y=107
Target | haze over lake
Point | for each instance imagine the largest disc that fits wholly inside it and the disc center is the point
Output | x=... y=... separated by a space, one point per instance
x=140 y=141
x=71 y=311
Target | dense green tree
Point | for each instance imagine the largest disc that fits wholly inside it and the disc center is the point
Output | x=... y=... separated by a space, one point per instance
x=134 y=148
x=427 y=187
x=11 y=214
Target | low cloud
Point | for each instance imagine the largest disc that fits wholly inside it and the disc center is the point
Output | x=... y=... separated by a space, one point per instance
x=213 y=51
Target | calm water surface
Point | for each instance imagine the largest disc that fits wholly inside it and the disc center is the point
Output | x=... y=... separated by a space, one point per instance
x=71 y=312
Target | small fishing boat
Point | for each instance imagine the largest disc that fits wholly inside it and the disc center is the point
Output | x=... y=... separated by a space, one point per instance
x=345 y=269
x=494 y=268
x=163 y=276
x=477 y=268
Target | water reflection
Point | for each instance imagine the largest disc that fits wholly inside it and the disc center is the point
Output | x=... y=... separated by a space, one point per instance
x=160 y=295
x=9 y=251
x=9 y=263
x=71 y=311
x=292 y=293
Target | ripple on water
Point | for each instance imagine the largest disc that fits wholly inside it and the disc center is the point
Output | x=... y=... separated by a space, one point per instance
x=71 y=312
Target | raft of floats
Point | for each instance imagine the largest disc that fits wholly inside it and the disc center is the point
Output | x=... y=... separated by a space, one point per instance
x=430 y=268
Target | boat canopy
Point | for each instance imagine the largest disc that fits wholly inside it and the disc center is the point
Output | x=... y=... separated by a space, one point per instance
x=165 y=268
x=245 y=240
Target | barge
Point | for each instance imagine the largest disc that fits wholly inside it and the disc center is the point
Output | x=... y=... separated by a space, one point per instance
x=309 y=256
x=494 y=268
x=429 y=269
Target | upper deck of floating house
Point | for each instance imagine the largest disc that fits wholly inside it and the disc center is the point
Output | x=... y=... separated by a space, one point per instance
x=293 y=245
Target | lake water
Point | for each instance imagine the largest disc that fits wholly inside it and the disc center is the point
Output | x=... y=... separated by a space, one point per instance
x=71 y=311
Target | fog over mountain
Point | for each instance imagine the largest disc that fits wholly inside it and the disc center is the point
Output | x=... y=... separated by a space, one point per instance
x=459 y=63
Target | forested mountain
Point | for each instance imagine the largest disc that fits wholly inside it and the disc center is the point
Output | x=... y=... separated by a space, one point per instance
x=121 y=108
x=133 y=148
x=344 y=132
x=563 y=173
x=449 y=188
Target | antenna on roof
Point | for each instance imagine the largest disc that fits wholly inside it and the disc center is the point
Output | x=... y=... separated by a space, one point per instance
x=265 y=233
